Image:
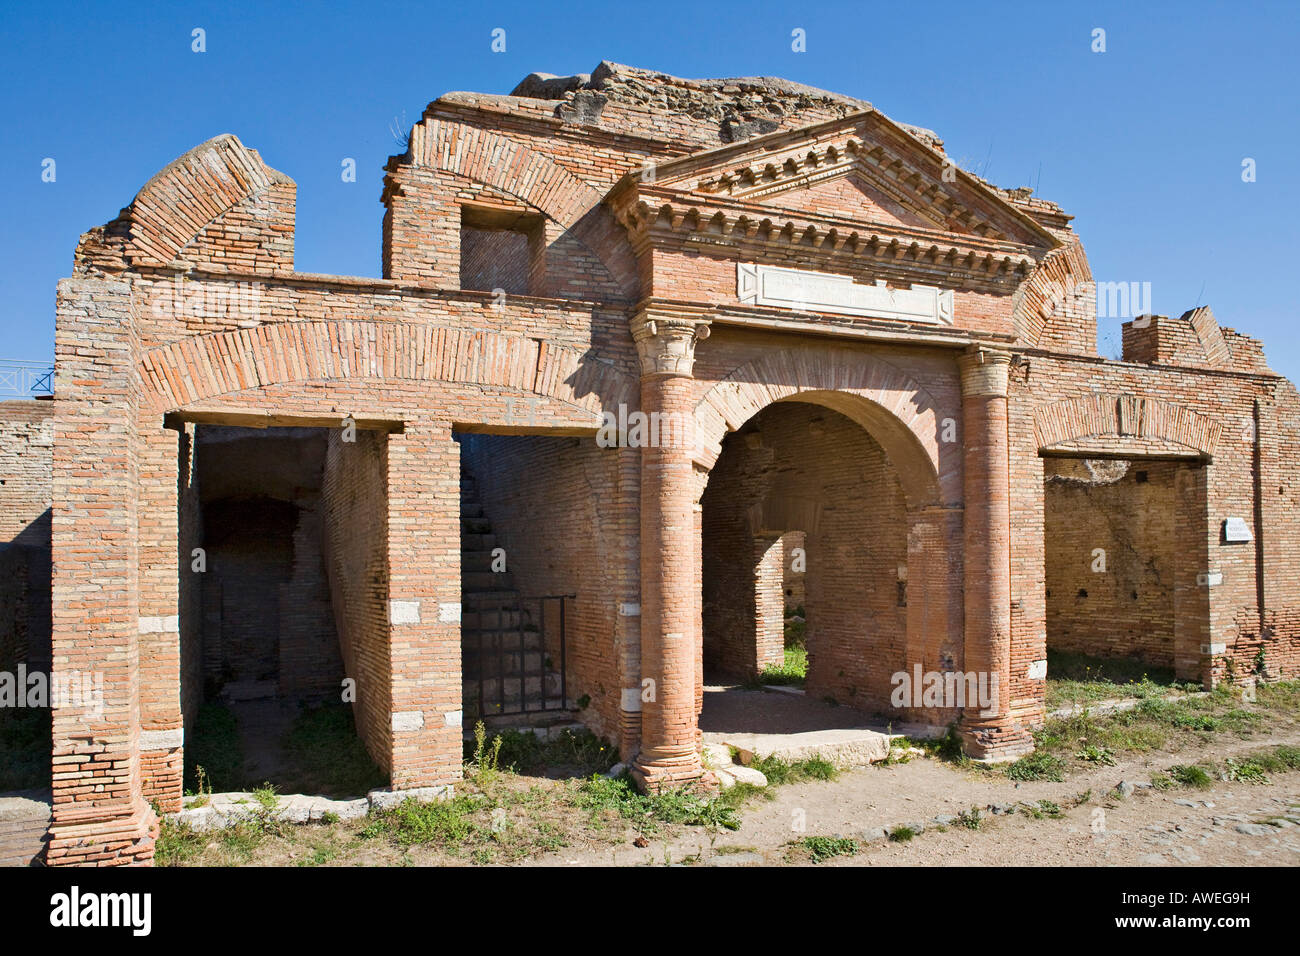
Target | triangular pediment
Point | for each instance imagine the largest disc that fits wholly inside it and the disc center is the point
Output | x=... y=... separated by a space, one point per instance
x=863 y=168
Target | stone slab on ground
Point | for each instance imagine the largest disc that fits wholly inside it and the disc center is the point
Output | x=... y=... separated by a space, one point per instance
x=761 y=724
x=222 y=810
x=24 y=822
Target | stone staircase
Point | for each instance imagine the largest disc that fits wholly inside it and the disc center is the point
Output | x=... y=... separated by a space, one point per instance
x=506 y=670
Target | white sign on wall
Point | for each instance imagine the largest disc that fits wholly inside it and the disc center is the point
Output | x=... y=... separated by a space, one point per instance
x=825 y=292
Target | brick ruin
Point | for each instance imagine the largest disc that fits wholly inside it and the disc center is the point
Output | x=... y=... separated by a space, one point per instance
x=853 y=347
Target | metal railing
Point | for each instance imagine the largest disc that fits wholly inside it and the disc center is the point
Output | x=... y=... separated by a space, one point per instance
x=509 y=656
x=25 y=379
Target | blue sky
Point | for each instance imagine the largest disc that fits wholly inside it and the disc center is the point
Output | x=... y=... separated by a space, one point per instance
x=1143 y=143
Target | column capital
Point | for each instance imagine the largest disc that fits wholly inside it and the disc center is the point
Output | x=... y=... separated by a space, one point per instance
x=984 y=371
x=665 y=341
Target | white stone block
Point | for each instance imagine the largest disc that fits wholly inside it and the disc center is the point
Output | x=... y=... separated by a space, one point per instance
x=160 y=625
x=152 y=740
x=454 y=718
x=1037 y=671
x=629 y=610
x=1236 y=529
x=404 y=612
x=631 y=700
x=449 y=613
x=408 y=720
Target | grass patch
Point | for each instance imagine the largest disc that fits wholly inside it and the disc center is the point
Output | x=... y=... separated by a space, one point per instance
x=577 y=753
x=1156 y=724
x=1190 y=775
x=617 y=796
x=791 y=672
x=324 y=755
x=179 y=843
x=779 y=771
x=215 y=747
x=1042 y=810
x=1075 y=679
x=1244 y=771
x=1039 y=765
x=901 y=834
x=821 y=848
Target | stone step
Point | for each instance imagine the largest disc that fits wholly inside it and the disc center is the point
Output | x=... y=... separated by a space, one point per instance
x=470 y=509
x=493 y=640
x=528 y=719
x=484 y=581
x=509 y=688
x=501 y=599
x=490 y=666
x=545 y=724
x=476 y=560
x=477 y=542
x=489 y=619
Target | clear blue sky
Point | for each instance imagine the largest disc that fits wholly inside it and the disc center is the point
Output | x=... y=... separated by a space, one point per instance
x=1143 y=144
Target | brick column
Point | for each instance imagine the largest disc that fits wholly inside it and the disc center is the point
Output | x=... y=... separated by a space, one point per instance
x=669 y=564
x=424 y=605
x=100 y=816
x=991 y=734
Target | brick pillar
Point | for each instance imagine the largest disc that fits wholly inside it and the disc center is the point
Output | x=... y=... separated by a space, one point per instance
x=100 y=816
x=161 y=723
x=769 y=601
x=670 y=618
x=424 y=605
x=1194 y=579
x=991 y=734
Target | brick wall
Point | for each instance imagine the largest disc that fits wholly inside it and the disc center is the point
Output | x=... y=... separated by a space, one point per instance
x=355 y=500
x=26 y=438
x=1119 y=603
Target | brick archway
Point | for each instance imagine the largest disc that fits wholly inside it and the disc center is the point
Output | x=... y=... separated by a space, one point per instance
x=202 y=367
x=898 y=412
x=1124 y=417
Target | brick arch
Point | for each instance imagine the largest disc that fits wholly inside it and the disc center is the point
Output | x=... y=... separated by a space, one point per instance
x=191 y=192
x=1124 y=416
x=898 y=413
x=222 y=363
x=534 y=178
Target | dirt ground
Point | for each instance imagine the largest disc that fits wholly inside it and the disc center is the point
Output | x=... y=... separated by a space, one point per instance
x=1226 y=824
x=1148 y=828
